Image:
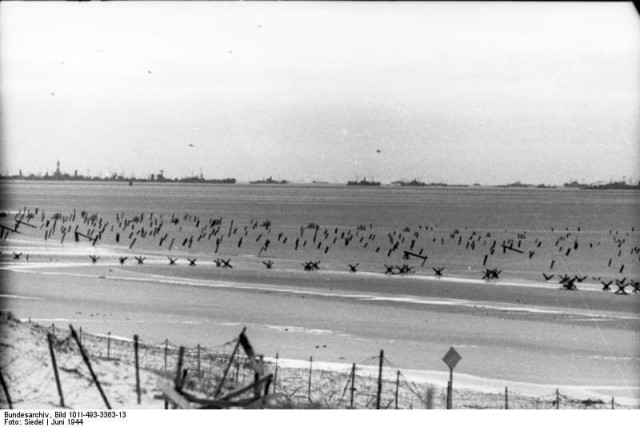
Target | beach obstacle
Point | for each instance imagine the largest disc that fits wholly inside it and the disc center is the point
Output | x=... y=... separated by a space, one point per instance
x=268 y=264
x=5 y=389
x=192 y=262
x=88 y=363
x=353 y=267
x=172 y=261
x=140 y=259
x=490 y=274
x=438 y=271
x=606 y=285
x=311 y=265
x=51 y=339
x=94 y=258
x=621 y=287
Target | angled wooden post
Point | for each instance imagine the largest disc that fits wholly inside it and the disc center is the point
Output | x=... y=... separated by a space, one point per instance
x=6 y=390
x=88 y=363
x=379 y=380
x=135 y=350
x=50 y=338
x=310 y=370
x=226 y=369
x=353 y=380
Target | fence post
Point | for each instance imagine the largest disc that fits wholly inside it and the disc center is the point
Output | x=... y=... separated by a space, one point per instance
x=108 y=344
x=379 y=380
x=397 y=387
x=198 y=359
x=6 y=390
x=557 y=399
x=310 y=369
x=88 y=363
x=275 y=374
x=226 y=370
x=135 y=350
x=50 y=338
x=166 y=351
x=506 y=398
x=353 y=380
x=613 y=400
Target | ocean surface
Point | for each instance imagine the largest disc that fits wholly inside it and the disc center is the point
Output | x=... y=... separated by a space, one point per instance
x=519 y=327
x=454 y=227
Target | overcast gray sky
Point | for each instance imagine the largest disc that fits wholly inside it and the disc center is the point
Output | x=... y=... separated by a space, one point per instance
x=454 y=92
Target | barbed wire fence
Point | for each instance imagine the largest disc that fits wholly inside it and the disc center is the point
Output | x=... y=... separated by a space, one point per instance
x=343 y=388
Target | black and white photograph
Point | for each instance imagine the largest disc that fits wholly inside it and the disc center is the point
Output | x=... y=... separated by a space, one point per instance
x=319 y=206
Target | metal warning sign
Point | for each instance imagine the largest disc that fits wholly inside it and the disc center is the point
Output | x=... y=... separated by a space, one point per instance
x=451 y=358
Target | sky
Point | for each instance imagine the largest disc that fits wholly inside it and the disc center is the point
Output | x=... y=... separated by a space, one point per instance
x=442 y=92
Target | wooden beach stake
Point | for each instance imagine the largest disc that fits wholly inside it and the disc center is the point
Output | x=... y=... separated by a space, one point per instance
x=506 y=398
x=379 y=380
x=50 y=338
x=397 y=387
x=178 y=378
x=226 y=370
x=310 y=370
x=198 y=359
x=135 y=350
x=275 y=375
x=353 y=380
x=108 y=345
x=557 y=399
x=166 y=350
x=88 y=363
x=6 y=390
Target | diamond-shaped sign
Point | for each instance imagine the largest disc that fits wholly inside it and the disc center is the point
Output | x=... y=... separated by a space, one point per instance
x=451 y=358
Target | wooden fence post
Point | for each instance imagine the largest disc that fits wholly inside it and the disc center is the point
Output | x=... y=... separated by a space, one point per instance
x=226 y=369
x=88 y=363
x=178 y=379
x=397 y=387
x=506 y=398
x=353 y=380
x=379 y=380
x=275 y=375
x=198 y=360
x=166 y=351
x=310 y=369
x=6 y=390
x=50 y=338
x=135 y=350
x=108 y=345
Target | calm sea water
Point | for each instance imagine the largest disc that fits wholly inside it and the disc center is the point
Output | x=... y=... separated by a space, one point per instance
x=596 y=220
x=476 y=208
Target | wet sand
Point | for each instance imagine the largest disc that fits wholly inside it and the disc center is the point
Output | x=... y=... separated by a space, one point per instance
x=538 y=336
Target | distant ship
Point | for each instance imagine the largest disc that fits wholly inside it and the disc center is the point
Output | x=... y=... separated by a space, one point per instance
x=616 y=185
x=196 y=179
x=364 y=183
x=269 y=180
x=413 y=183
